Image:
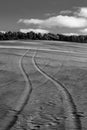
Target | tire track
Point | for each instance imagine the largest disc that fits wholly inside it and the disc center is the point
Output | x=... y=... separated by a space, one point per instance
x=73 y=119
x=12 y=116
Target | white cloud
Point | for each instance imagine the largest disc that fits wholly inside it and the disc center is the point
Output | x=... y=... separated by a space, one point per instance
x=69 y=19
x=82 y=12
x=30 y=21
x=3 y=31
x=34 y=30
x=70 y=34
x=60 y=21
x=84 y=31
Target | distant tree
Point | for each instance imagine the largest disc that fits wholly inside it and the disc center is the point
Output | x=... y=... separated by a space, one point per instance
x=39 y=36
x=34 y=36
x=2 y=36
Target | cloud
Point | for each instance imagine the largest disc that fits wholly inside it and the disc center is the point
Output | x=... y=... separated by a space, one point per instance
x=3 y=31
x=30 y=21
x=70 y=34
x=84 y=31
x=82 y=12
x=49 y=14
x=66 y=12
x=34 y=30
x=75 y=18
x=60 y=21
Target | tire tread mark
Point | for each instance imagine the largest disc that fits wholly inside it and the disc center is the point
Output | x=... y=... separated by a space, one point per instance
x=73 y=117
x=12 y=116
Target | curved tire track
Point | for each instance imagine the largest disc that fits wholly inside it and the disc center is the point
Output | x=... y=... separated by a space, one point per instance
x=73 y=119
x=12 y=116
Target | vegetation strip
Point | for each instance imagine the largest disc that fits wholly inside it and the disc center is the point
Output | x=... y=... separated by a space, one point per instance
x=41 y=49
x=38 y=36
x=73 y=119
x=12 y=116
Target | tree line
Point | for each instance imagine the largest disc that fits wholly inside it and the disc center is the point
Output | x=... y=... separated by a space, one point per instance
x=34 y=36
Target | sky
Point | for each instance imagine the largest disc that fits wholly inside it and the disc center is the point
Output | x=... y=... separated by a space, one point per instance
x=56 y=16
